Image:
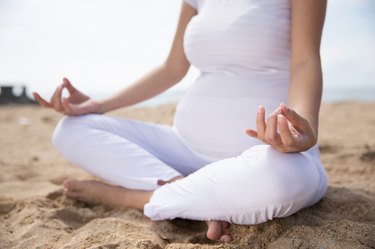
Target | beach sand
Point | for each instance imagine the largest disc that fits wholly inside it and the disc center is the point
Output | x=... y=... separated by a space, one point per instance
x=35 y=214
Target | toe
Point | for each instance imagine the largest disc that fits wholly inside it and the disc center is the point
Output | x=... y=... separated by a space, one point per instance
x=224 y=224
x=71 y=188
x=214 y=230
x=70 y=184
x=225 y=238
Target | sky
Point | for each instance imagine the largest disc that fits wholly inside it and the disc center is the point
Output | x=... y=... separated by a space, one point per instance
x=348 y=44
x=104 y=45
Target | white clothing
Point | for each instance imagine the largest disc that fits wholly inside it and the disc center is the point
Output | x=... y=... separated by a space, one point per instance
x=127 y=153
x=256 y=186
x=242 y=48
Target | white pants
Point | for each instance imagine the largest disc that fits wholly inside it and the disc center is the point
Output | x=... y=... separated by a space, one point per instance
x=253 y=187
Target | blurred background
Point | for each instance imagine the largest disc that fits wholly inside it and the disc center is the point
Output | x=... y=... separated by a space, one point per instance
x=103 y=45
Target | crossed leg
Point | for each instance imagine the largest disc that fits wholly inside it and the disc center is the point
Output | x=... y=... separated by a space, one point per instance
x=128 y=153
x=264 y=183
x=96 y=192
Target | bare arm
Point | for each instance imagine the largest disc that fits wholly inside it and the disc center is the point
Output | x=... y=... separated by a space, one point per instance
x=160 y=79
x=295 y=128
x=306 y=73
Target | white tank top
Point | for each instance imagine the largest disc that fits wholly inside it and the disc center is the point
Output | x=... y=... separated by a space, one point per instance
x=242 y=48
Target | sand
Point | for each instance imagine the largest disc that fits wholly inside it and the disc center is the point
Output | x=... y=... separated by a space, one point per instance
x=35 y=214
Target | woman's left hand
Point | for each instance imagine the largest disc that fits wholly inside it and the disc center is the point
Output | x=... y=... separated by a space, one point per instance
x=285 y=130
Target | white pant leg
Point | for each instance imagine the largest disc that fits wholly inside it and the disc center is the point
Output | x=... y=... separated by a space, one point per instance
x=254 y=187
x=124 y=152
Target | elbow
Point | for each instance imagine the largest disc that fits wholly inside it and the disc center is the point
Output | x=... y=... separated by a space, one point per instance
x=177 y=71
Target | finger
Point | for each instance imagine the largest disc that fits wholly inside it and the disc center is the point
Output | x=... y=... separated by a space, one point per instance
x=271 y=135
x=297 y=121
x=41 y=101
x=56 y=92
x=285 y=133
x=66 y=107
x=260 y=123
x=69 y=86
x=251 y=133
x=56 y=99
x=295 y=132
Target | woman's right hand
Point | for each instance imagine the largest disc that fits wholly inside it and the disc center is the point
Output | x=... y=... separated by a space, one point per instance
x=77 y=103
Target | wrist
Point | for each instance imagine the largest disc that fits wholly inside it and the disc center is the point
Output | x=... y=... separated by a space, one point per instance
x=97 y=107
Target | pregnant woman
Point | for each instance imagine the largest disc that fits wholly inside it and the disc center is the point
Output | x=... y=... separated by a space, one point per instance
x=224 y=160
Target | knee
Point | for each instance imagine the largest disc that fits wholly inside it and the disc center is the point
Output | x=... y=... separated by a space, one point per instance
x=68 y=131
x=62 y=132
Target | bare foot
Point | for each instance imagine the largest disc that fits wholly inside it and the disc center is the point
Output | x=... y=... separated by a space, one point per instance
x=219 y=230
x=96 y=192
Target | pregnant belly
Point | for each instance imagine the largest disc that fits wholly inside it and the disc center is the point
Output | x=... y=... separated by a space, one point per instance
x=212 y=116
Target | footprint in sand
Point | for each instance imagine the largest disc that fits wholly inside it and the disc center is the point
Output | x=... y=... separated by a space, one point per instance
x=58 y=180
x=74 y=217
x=181 y=231
x=368 y=156
x=55 y=194
x=6 y=205
x=328 y=148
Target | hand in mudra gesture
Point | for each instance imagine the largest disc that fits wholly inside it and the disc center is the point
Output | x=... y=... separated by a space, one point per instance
x=77 y=103
x=285 y=130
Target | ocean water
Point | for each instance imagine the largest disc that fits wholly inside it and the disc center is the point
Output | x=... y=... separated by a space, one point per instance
x=366 y=94
x=174 y=95
x=330 y=95
x=349 y=94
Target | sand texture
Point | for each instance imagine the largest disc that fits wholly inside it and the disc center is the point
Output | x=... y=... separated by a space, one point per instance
x=35 y=214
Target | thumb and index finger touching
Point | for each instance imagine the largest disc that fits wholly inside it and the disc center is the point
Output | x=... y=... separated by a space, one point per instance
x=293 y=117
x=285 y=115
x=66 y=84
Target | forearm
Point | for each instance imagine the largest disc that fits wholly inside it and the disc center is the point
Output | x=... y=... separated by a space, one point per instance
x=150 y=85
x=305 y=90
